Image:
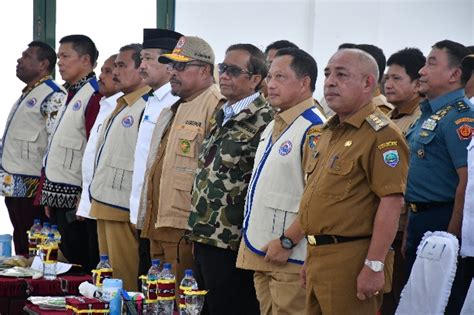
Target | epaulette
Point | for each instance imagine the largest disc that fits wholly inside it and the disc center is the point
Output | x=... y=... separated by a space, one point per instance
x=462 y=106
x=377 y=120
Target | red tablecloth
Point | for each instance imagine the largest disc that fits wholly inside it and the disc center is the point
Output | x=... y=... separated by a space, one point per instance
x=14 y=291
x=36 y=310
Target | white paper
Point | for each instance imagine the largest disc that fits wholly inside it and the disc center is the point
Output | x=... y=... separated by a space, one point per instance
x=60 y=267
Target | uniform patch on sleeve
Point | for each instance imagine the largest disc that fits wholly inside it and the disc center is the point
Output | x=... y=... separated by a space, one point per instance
x=387 y=144
x=391 y=158
x=464 y=132
x=464 y=120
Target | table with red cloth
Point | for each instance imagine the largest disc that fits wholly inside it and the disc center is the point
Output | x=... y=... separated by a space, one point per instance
x=15 y=291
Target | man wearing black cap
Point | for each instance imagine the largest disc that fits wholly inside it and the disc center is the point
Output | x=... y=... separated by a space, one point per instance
x=155 y=43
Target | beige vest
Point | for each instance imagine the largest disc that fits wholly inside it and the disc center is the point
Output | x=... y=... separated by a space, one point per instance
x=112 y=180
x=277 y=185
x=26 y=139
x=190 y=125
x=64 y=157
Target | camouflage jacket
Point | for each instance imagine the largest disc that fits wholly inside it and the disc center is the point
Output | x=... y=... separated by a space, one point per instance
x=224 y=170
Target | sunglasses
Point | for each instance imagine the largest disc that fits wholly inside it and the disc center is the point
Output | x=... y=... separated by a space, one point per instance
x=181 y=66
x=230 y=70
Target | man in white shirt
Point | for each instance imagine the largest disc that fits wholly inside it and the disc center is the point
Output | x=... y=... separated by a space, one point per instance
x=155 y=74
x=107 y=103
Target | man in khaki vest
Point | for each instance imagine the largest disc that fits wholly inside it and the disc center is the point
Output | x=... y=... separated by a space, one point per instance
x=111 y=183
x=172 y=160
x=62 y=185
x=401 y=88
x=23 y=148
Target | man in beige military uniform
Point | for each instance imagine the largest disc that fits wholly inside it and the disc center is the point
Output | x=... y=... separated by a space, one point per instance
x=352 y=201
x=401 y=89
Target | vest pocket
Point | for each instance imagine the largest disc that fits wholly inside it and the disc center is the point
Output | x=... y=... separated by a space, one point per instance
x=120 y=174
x=72 y=152
x=183 y=183
x=284 y=208
x=27 y=143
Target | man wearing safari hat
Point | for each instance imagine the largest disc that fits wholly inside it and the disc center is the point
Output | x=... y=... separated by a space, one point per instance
x=171 y=165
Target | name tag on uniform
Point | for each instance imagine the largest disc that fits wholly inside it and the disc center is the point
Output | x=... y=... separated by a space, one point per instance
x=432 y=251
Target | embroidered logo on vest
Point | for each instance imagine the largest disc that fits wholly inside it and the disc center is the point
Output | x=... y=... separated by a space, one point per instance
x=127 y=122
x=76 y=106
x=31 y=102
x=285 y=148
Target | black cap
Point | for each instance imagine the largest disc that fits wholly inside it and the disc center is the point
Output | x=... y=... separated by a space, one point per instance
x=468 y=62
x=160 y=38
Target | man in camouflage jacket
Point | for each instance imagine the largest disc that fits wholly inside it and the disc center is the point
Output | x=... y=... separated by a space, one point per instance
x=223 y=174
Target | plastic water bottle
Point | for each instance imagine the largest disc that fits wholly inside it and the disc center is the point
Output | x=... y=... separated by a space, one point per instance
x=34 y=238
x=166 y=290
x=151 y=287
x=57 y=235
x=187 y=284
x=101 y=272
x=45 y=232
x=49 y=254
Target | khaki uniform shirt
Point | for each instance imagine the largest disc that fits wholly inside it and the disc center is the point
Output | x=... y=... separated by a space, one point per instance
x=247 y=259
x=406 y=118
x=356 y=163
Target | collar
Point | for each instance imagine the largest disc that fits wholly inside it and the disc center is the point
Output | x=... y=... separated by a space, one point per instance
x=408 y=110
x=132 y=97
x=444 y=100
x=237 y=107
x=290 y=115
x=356 y=119
x=76 y=87
x=27 y=89
x=162 y=91
x=111 y=100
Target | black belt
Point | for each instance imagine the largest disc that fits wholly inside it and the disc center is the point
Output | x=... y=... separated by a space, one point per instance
x=425 y=206
x=317 y=240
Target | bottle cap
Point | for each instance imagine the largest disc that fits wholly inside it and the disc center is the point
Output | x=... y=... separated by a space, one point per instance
x=46 y=223
x=51 y=235
x=54 y=226
x=104 y=257
x=167 y=266
x=37 y=221
x=188 y=272
x=155 y=262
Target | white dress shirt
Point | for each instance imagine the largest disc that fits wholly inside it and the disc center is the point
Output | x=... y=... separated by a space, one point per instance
x=162 y=98
x=107 y=105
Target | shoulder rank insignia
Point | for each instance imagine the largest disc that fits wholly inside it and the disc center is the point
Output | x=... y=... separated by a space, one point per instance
x=377 y=121
x=461 y=106
x=432 y=122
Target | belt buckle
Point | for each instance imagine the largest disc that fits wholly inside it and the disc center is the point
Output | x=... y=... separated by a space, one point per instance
x=311 y=240
x=412 y=207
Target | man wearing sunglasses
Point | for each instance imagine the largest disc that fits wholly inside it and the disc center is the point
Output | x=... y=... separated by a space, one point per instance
x=171 y=165
x=224 y=169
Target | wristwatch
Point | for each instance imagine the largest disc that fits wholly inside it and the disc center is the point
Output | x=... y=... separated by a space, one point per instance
x=286 y=242
x=374 y=265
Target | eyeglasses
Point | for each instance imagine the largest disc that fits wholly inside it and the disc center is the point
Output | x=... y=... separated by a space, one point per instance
x=181 y=66
x=231 y=70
